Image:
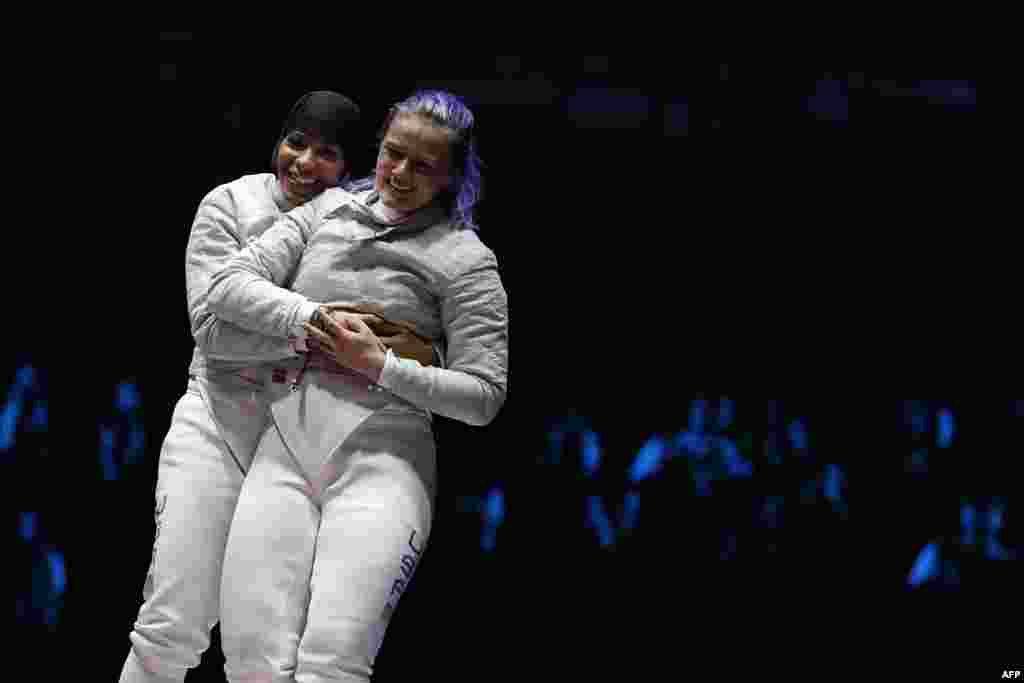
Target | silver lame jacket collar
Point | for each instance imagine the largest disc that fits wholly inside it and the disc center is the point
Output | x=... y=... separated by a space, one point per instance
x=358 y=211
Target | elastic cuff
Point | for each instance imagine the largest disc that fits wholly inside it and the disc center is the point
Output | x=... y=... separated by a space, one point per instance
x=303 y=314
x=385 y=373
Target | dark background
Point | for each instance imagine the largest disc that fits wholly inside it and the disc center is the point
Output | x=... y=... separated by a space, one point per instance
x=663 y=229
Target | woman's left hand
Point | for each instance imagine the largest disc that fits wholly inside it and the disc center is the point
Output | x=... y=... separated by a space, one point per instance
x=351 y=342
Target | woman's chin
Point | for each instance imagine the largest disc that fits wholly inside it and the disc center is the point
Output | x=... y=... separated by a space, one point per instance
x=389 y=199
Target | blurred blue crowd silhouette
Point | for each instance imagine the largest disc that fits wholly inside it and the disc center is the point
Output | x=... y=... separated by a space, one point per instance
x=786 y=478
x=769 y=470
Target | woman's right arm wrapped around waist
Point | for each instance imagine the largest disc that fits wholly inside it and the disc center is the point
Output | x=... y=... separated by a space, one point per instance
x=248 y=291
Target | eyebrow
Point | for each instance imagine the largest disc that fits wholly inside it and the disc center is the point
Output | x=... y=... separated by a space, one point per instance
x=436 y=161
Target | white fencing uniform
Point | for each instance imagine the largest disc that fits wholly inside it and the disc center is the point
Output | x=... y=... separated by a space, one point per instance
x=214 y=430
x=336 y=509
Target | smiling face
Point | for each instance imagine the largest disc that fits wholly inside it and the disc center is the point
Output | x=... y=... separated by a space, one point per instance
x=413 y=163
x=306 y=166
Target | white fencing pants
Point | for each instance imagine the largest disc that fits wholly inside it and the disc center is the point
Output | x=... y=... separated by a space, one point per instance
x=323 y=544
x=199 y=480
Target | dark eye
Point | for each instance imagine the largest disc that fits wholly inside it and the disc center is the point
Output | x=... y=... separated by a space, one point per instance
x=329 y=154
x=297 y=140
